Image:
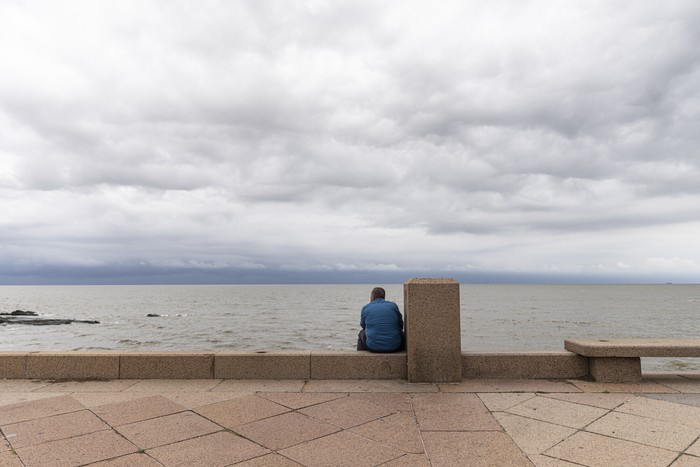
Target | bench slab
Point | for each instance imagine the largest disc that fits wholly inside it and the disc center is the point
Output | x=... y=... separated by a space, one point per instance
x=634 y=347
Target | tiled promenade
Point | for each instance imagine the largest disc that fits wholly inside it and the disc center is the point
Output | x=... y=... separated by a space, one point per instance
x=353 y=423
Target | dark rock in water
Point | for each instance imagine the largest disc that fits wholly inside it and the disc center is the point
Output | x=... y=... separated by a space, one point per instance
x=152 y=315
x=20 y=313
x=42 y=321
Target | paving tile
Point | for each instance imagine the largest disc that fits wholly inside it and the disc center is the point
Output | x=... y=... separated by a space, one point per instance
x=399 y=431
x=269 y=460
x=136 y=410
x=21 y=385
x=252 y=386
x=131 y=460
x=604 y=401
x=558 y=412
x=40 y=408
x=240 y=410
x=299 y=400
x=46 y=429
x=659 y=433
x=217 y=449
x=509 y=385
x=395 y=402
x=686 y=386
x=368 y=386
x=662 y=410
x=339 y=450
x=78 y=450
x=694 y=449
x=283 y=431
x=631 y=388
x=447 y=412
x=473 y=449
x=192 y=400
x=498 y=402
x=168 y=429
x=545 y=461
x=8 y=398
x=687 y=461
x=532 y=436
x=686 y=399
x=10 y=459
x=114 y=385
x=409 y=460
x=346 y=412
x=172 y=385
x=91 y=400
x=602 y=451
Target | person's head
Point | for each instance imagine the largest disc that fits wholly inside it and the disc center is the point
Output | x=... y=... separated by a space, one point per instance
x=377 y=292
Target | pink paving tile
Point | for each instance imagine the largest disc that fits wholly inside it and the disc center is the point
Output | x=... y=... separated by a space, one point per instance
x=131 y=460
x=473 y=449
x=168 y=429
x=241 y=410
x=78 y=450
x=299 y=400
x=399 y=431
x=346 y=412
x=9 y=459
x=31 y=410
x=46 y=429
x=453 y=412
x=395 y=402
x=121 y=413
x=340 y=450
x=285 y=430
x=269 y=460
x=218 y=449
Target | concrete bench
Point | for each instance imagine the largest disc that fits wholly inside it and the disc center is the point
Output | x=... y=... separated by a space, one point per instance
x=619 y=360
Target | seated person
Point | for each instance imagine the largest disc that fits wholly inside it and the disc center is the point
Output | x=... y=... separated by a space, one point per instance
x=382 y=325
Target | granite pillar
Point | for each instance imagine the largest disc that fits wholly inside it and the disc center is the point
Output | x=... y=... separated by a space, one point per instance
x=433 y=332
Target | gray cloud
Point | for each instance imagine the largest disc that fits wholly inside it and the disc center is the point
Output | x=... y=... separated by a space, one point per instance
x=487 y=137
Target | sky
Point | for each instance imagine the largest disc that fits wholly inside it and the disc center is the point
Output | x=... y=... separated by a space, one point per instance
x=349 y=141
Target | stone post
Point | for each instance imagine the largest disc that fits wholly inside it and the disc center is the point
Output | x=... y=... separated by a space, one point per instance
x=433 y=331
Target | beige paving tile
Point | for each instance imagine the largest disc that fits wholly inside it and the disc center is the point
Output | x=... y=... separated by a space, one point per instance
x=172 y=385
x=192 y=400
x=130 y=460
x=136 y=410
x=604 y=401
x=339 y=450
x=686 y=386
x=21 y=385
x=7 y=398
x=447 y=412
x=686 y=399
x=602 y=451
x=395 y=402
x=264 y=385
x=299 y=400
x=399 y=431
x=346 y=412
x=268 y=460
x=694 y=449
x=10 y=459
x=687 y=461
x=31 y=410
x=662 y=410
x=115 y=385
x=240 y=410
x=91 y=400
x=532 y=436
x=659 y=433
x=409 y=460
x=368 y=386
x=631 y=388
x=558 y=412
x=498 y=402
x=473 y=449
x=509 y=385
x=166 y=430
x=46 y=429
x=545 y=461
x=217 y=449
x=283 y=431
x=78 y=450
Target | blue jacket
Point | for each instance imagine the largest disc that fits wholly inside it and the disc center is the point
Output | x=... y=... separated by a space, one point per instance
x=383 y=325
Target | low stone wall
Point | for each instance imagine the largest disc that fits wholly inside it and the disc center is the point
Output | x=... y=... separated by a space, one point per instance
x=305 y=365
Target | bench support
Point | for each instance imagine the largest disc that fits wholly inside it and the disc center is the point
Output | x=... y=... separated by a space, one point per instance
x=616 y=369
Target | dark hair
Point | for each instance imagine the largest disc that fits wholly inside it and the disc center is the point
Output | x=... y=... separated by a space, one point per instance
x=378 y=292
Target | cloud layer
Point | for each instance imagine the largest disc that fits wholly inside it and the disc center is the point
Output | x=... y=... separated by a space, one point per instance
x=313 y=137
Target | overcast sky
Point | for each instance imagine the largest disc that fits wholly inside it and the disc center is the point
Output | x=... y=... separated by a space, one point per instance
x=297 y=141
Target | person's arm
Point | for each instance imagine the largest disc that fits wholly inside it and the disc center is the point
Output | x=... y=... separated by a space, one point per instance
x=398 y=313
x=362 y=318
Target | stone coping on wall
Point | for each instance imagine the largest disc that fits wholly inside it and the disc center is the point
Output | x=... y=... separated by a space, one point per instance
x=301 y=364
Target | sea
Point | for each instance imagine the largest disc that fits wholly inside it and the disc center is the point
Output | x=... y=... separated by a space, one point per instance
x=494 y=317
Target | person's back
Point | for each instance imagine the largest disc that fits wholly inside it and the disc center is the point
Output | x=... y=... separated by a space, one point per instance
x=382 y=325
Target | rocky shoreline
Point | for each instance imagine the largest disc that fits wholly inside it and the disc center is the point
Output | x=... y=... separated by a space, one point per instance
x=32 y=318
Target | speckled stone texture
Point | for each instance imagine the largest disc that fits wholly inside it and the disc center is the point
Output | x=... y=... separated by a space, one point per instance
x=616 y=370
x=433 y=337
x=524 y=365
x=358 y=365
x=262 y=365
x=12 y=364
x=72 y=365
x=634 y=347
x=167 y=365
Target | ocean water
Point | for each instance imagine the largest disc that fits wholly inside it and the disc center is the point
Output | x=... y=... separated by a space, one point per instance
x=272 y=317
